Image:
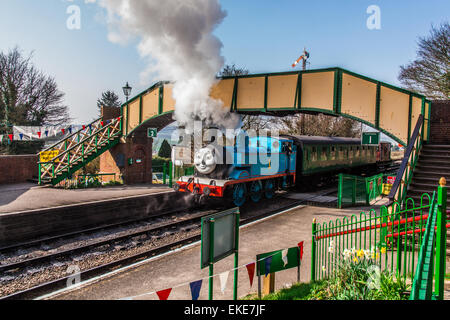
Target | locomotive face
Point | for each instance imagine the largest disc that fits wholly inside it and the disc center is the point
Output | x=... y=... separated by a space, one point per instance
x=204 y=161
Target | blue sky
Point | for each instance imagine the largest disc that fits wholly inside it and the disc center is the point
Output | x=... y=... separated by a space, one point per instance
x=260 y=35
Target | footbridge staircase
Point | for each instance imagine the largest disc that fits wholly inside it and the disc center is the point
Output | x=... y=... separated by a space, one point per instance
x=63 y=159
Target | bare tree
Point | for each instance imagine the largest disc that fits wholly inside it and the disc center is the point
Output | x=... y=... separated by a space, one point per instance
x=429 y=74
x=319 y=125
x=27 y=96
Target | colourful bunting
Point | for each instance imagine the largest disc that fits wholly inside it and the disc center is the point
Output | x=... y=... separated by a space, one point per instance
x=21 y=136
x=39 y=134
x=223 y=280
x=284 y=255
x=267 y=264
x=195 y=289
x=63 y=131
x=102 y=123
x=11 y=137
x=70 y=130
x=251 y=272
x=46 y=133
x=300 y=245
x=84 y=127
x=164 y=294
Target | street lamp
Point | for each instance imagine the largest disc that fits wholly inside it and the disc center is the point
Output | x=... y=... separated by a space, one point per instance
x=127 y=90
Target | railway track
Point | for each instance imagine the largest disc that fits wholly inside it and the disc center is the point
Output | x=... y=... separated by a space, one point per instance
x=54 y=285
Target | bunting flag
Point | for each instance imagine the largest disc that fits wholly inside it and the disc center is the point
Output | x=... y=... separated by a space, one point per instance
x=70 y=130
x=300 y=245
x=196 y=286
x=21 y=136
x=268 y=263
x=90 y=127
x=223 y=280
x=284 y=254
x=11 y=137
x=164 y=294
x=118 y=119
x=46 y=133
x=251 y=272
x=102 y=123
x=63 y=131
x=84 y=127
x=39 y=134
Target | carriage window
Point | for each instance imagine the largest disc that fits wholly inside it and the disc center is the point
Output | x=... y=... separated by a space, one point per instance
x=314 y=154
x=333 y=153
x=324 y=153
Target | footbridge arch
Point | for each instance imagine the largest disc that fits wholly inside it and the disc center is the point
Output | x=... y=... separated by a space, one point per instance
x=334 y=91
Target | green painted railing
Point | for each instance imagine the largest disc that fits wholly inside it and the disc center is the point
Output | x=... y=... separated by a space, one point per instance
x=393 y=237
x=78 y=149
x=353 y=190
x=432 y=255
x=406 y=171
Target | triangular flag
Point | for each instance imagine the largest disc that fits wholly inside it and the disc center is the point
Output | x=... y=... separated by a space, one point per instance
x=11 y=137
x=251 y=272
x=223 y=280
x=300 y=246
x=39 y=134
x=118 y=119
x=90 y=127
x=63 y=131
x=21 y=136
x=164 y=294
x=267 y=262
x=108 y=121
x=70 y=130
x=195 y=289
x=84 y=127
x=102 y=123
x=284 y=255
x=46 y=133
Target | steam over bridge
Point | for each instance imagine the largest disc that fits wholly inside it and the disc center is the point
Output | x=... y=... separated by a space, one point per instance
x=333 y=91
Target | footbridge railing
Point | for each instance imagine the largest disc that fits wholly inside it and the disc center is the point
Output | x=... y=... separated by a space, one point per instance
x=405 y=173
x=74 y=152
x=400 y=241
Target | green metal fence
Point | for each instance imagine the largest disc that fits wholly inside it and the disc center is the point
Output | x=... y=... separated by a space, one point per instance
x=167 y=173
x=355 y=190
x=391 y=236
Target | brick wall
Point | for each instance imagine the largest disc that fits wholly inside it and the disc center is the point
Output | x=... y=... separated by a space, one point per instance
x=440 y=122
x=18 y=169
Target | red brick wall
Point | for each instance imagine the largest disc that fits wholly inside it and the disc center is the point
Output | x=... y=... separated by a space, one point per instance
x=18 y=169
x=440 y=122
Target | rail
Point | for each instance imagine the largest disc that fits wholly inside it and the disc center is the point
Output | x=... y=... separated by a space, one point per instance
x=405 y=173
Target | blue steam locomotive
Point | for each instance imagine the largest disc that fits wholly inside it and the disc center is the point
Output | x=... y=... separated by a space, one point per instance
x=266 y=164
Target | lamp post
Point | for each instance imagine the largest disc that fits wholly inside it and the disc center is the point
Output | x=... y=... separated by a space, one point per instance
x=127 y=90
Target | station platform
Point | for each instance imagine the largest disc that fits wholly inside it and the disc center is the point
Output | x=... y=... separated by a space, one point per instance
x=177 y=269
x=28 y=196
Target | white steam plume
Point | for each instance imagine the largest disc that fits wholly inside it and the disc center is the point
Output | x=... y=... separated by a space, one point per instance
x=176 y=37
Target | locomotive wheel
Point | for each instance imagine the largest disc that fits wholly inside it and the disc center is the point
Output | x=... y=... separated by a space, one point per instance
x=239 y=194
x=269 y=189
x=256 y=191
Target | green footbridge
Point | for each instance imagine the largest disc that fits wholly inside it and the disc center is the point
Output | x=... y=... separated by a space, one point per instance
x=333 y=91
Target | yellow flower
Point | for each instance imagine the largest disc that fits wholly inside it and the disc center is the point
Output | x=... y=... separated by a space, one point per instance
x=383 y=250
x=360 y=253
x=355 y=259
